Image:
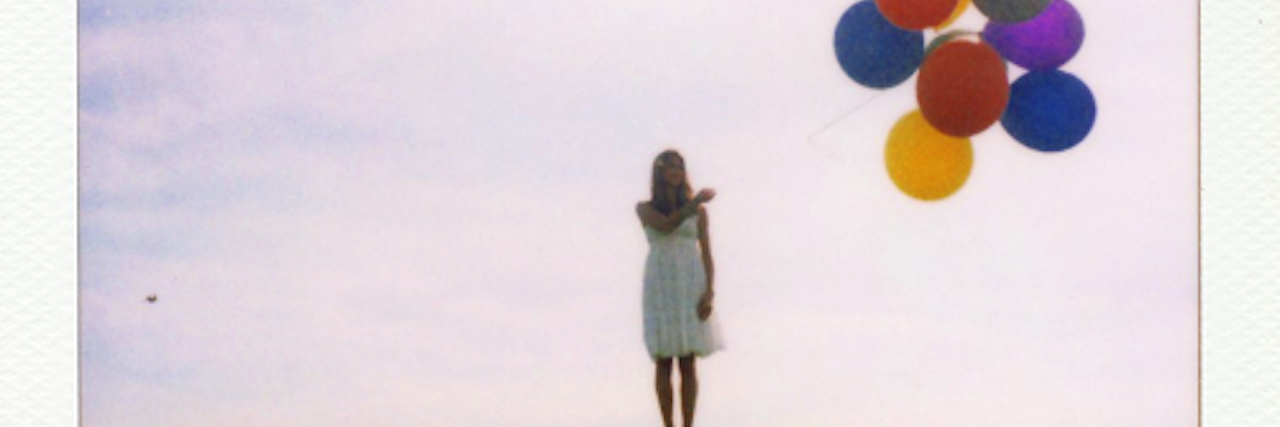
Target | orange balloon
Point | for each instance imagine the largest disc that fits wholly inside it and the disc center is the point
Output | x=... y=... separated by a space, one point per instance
x=955 y=14
x=925 y=163
x=916 y=15
x=963 y=87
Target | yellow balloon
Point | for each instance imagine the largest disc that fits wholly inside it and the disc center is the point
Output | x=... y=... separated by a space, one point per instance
x=924 y=162
x=955 y=14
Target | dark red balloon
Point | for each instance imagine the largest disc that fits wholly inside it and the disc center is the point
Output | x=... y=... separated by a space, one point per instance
x=916 y=14
x=963 y=87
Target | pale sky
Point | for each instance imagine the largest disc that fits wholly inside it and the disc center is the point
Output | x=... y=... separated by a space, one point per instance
x=421 y=213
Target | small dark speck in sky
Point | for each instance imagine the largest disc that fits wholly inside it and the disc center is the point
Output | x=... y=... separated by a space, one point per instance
x=151 y=298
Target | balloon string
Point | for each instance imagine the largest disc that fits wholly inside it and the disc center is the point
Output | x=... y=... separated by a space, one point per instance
x=846 y=115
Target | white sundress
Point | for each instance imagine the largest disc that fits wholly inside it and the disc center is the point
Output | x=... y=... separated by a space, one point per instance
x=674 y=281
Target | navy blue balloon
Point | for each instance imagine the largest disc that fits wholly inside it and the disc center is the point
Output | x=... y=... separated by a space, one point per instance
x=874 y=52
x=1049 y=110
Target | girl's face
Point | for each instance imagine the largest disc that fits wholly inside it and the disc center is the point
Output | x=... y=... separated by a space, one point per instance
x=673 y=172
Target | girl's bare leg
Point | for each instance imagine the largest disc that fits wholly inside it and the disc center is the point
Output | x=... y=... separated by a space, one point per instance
x=688 y=389
x=665 y=393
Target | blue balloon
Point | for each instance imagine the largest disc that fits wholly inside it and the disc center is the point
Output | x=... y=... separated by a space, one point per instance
x=874 y=52
x=1049 y=110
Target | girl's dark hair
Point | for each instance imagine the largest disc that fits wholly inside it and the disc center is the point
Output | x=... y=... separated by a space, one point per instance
x=660 y=201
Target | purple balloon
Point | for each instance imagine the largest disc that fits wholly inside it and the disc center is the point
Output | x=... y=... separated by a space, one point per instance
x=1042 y=43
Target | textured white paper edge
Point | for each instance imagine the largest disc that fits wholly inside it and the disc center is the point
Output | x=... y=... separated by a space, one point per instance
x=1240 y=213
x=38 y=363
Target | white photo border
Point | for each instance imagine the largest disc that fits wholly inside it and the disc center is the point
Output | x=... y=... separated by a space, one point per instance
x=1240 y=213
x=38 y=218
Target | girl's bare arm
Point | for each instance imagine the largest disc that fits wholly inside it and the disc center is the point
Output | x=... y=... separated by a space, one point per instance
x=665 y=223
x=704 y=240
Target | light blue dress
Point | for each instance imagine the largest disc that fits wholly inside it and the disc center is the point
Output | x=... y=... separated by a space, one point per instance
x=674 y=281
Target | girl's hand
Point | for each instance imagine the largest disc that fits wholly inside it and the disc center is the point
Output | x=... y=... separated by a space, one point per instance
x=705 y=195
x=704 y=306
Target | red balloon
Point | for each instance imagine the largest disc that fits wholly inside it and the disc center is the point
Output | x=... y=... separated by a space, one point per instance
x=963 y=87
x=916 y=14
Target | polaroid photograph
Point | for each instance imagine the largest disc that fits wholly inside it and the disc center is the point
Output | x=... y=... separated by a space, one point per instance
x=579 y=213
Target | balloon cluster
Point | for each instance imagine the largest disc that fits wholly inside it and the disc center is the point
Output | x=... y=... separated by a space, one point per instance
x=963 y=87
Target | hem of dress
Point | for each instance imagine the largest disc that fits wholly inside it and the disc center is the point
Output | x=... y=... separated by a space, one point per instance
x=697 y=354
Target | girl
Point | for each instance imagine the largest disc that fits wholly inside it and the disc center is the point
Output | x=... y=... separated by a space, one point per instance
x=678 y=282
